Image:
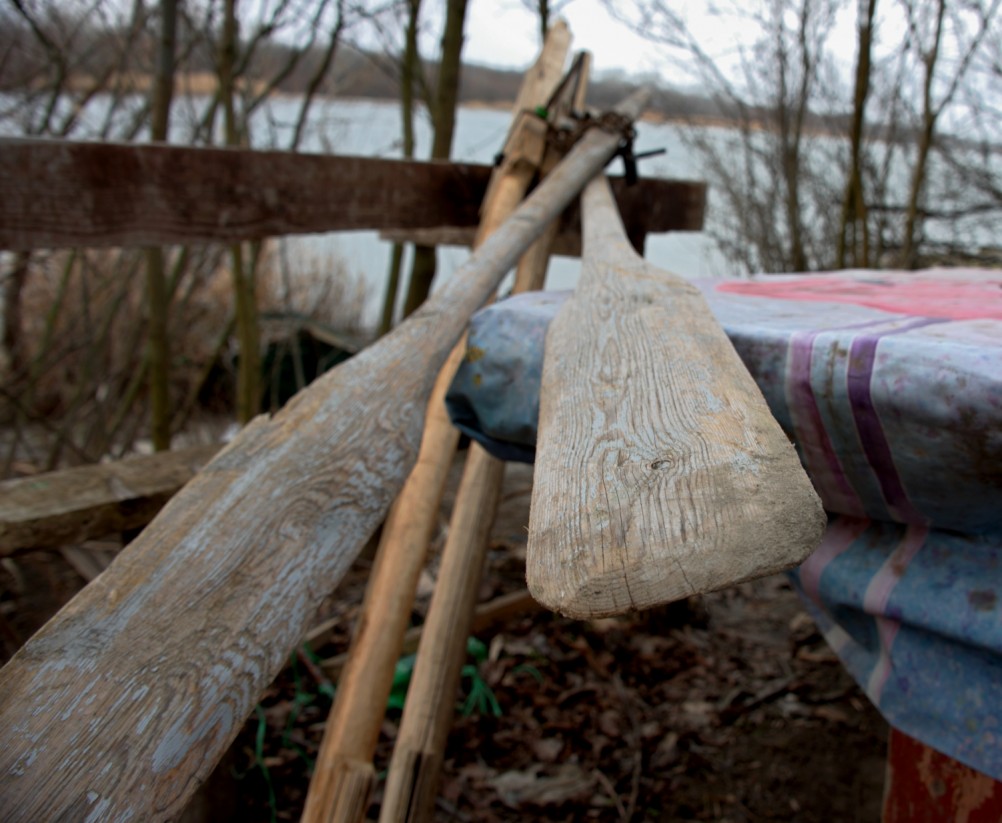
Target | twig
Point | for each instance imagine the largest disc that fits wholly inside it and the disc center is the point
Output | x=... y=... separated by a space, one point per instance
x=486 y=616
x=610 y=789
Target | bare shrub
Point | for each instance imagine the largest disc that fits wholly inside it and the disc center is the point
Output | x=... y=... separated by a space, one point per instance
x=78 y=392
x=321 y=289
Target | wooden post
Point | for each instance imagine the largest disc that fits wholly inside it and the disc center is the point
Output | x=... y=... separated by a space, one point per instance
x=343 y=777
x=121 y=705
x=660 y=472
x=926 y=786
x=415 y=769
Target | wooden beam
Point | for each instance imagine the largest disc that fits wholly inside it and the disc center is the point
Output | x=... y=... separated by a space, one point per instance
x=69 y=506
x=651 y=206
x=59 y=194
x=120 y=706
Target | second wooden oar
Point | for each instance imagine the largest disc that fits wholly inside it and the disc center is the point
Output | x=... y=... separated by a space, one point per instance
x=660 y=471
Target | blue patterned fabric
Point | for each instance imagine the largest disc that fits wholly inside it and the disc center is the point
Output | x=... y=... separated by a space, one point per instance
x=891 y=387
x=913 y=614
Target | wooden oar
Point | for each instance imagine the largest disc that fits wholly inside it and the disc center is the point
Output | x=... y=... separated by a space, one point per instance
x=660 y=471
x=120 y=706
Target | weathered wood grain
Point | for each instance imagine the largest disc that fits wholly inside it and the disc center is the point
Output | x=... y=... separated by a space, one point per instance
x=120 y=706
x=58 y=508
x=651 y=206
x=59 y=194
x=660 y=472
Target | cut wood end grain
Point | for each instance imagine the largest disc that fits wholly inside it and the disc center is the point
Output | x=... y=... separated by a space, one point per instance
x=762 y=524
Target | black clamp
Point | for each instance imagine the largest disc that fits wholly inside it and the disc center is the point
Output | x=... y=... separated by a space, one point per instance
x=630 y=159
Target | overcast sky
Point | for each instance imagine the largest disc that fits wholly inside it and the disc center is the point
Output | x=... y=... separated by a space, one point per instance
x=506 y=34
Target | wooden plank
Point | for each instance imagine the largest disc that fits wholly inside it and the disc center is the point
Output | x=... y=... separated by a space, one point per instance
x=651 y=206
x=660 y=472
x=60 y=194
x=120 y=706
x=73 y=505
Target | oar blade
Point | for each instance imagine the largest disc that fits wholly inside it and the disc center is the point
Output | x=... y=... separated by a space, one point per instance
x=660 y=471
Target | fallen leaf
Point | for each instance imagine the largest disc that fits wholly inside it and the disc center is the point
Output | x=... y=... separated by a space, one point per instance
x=548 y=749
x=529 y=788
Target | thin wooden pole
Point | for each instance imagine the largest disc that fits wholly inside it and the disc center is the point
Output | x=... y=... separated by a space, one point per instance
x=415 y=769
x=343 y=776
x=660 y=472
x=108 y=715
x=485 y=617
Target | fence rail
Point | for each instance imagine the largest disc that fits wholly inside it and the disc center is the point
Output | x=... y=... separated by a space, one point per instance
x=59 y=194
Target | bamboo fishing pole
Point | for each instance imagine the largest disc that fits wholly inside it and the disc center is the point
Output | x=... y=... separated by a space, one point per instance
x=415 y=768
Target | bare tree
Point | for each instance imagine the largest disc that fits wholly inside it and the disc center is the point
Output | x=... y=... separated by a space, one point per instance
x=85 y=70
x=443 y=112
x=156 y=281
x=854 y=232
x=410 y=70
x=773 y=185
x=546 y=10
x=772 y=209
x=930 y=26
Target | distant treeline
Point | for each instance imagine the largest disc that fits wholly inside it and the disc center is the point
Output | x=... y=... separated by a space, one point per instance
x=96 y=55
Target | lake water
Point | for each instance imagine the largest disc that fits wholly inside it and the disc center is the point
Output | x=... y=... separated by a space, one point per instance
x=371 y=128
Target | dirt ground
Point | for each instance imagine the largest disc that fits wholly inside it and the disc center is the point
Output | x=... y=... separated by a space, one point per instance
x=729 y=707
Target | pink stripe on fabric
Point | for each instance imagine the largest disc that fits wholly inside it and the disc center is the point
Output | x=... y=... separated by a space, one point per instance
x=839 y=536
x=956 y=297
x=823 y=464
x=887 y=630
x=879 y=589
x=878 y=592
x=880 y=456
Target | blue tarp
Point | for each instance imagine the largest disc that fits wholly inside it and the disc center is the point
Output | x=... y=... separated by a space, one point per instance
x=891 y=387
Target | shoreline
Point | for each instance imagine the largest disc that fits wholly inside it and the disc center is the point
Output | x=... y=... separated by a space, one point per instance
x=205 y=84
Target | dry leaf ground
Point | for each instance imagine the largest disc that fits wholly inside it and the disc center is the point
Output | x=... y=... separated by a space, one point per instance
x=726 y=708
